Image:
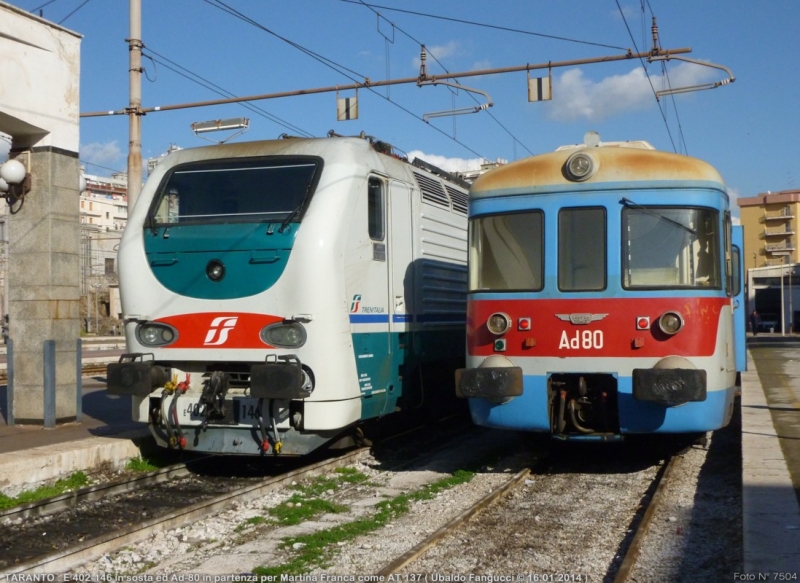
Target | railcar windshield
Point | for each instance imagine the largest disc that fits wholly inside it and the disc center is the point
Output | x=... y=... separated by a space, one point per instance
x=667 y=247
x=236 y=190
x=506 y=252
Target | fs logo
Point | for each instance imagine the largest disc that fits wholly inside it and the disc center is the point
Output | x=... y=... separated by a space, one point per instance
x=356 y=304
x=221 y=325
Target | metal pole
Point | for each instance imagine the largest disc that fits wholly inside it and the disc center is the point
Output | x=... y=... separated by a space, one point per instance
x=79 y=380
x=135 y=105
x=49 y=383
x=368 y=83
x=791 y=307
x=783 y=308
x=10 y=382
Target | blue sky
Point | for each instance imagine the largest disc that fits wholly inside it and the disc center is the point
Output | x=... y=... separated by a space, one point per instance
x=747 y=130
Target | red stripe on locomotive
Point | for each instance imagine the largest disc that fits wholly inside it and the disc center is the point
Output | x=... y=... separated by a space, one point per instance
x=220 y=329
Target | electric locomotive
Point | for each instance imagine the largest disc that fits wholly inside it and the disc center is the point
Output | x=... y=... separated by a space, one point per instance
x=277 y=294
x=605 y=294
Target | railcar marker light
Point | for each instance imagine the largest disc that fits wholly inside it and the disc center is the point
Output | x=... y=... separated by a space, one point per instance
x=500 y=345
x=643 y=323
x=524 y=324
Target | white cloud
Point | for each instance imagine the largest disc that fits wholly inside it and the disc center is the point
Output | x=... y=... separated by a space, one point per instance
x=447 y=164
x=733 y=196
x=103 y=154
x=575 y=97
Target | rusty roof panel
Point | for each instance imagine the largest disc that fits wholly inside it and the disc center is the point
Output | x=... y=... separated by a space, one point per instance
x=615 y=164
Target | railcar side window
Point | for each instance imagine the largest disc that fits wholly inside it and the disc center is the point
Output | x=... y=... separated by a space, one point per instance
x=506 y=252
x=582 y=249
x=375 y=214
x=671 y=248
x=236 y=190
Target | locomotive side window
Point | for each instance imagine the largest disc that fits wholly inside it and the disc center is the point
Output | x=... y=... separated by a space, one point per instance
x=506 y=252
x=671 y=248
x=236 y=190
x=582 y=249
x=375 y=204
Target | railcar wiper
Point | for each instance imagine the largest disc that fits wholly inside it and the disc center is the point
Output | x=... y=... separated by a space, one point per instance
x=629 y=203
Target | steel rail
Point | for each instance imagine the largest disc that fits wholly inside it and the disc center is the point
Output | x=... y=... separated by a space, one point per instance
x=632 y=554
x=431 y=540
x=48 y=506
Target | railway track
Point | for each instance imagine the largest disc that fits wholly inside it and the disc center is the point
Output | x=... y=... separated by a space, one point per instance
x=88 y=369
x=54 y=535
x=621 y=573
x=115 y=538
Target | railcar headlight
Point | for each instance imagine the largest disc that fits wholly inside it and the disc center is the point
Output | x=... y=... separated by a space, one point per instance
x=498 y=323
x=284 y=335
x=670 y=323
x=152 y=334
x=215 y=270
x=580 y=166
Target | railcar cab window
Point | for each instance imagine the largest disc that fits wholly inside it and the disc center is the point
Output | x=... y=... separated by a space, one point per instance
x=236 y=190
x=506 y=252
x=668 y=247
x=582 y=249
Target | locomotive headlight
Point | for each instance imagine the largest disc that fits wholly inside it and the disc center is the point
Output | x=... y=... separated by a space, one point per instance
x=215 y=270
x=284 y=335
x=498 y=323
x=152 y=334
x=580 y=166
x=670 y=323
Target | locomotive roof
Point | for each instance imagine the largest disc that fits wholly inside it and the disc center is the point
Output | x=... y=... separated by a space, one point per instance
x=615 y=164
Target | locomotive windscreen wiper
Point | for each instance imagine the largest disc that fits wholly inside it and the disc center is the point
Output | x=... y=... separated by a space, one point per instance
x=629 y=203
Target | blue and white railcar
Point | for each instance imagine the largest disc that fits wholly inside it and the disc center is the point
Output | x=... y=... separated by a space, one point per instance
x=276 y=294
x=605 y=294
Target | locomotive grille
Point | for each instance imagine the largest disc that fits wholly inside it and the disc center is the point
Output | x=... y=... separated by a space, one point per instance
x=432 y=191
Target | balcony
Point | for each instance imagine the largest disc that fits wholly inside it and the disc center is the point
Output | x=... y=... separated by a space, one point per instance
x=777 y=248
x=779 y=232
x=782 y=215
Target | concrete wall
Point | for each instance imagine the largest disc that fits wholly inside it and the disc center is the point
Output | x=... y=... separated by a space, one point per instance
x=39 y=108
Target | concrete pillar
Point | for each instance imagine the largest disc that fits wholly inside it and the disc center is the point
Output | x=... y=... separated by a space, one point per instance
x=44 y=284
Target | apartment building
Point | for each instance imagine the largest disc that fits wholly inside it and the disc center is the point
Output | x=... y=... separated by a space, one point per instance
x=770 y=256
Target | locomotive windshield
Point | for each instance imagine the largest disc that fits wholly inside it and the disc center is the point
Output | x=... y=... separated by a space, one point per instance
x=670 y=248
x=271 y=189
x=505 y=252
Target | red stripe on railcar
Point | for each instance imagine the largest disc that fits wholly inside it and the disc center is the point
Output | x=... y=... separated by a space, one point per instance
x=611 y=330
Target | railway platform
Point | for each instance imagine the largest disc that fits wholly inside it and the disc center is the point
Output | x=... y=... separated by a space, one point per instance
x=770 y=409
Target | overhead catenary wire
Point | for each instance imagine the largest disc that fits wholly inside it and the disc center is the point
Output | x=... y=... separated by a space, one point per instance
x=485 y=25
x=513 y=137
x=211 y=86
x=341 y=69
x=647 y=74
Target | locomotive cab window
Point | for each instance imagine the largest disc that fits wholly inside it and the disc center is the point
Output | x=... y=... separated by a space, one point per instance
x=582 y=249
x=668 y=247
x=506 y=252
x=375 y=204
x=236 y=190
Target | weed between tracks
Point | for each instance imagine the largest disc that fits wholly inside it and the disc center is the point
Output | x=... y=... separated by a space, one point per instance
x=315 y=550
x=73 y=482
